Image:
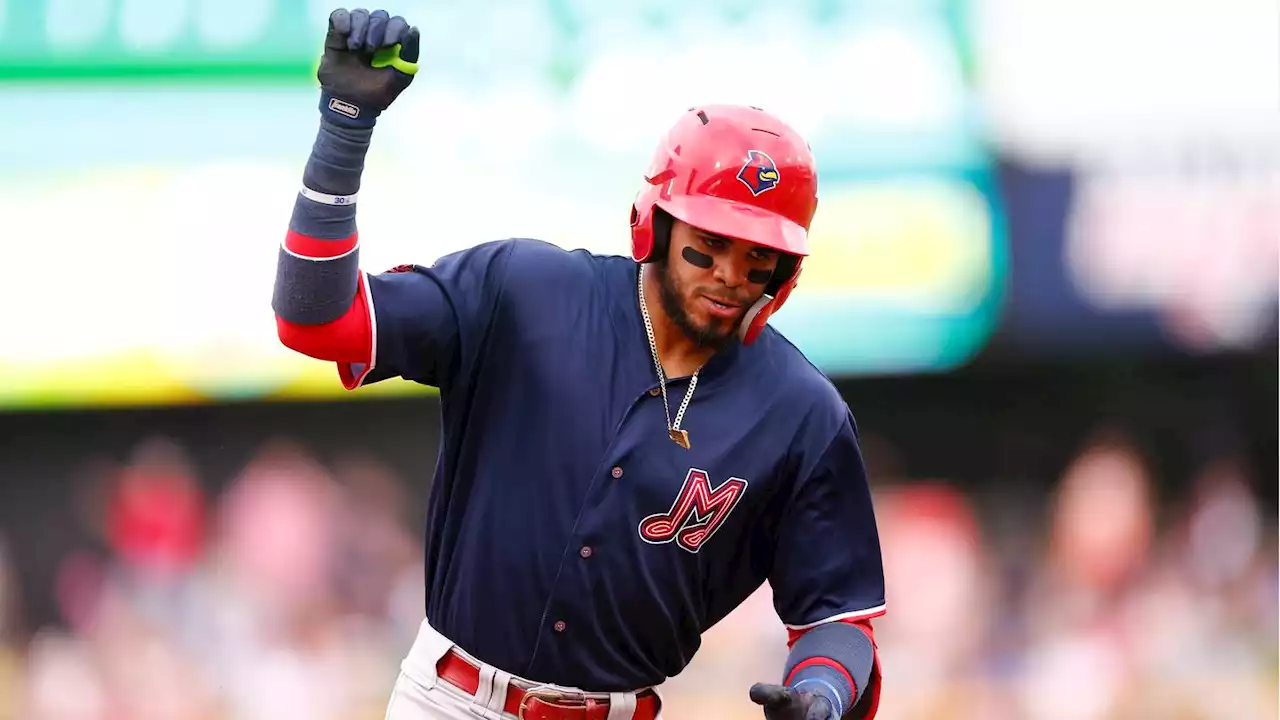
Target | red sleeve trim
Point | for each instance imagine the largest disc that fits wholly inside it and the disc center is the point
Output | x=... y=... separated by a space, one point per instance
x=351 y=379
x=862 y=623
x=305 y=246
x=349 y=339
x=795 y=631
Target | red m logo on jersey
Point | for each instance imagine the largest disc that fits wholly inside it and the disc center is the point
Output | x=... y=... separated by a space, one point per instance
x=696 y=514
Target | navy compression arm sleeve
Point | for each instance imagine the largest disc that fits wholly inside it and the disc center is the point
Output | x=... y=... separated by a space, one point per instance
x=318 y=266
x=834 y=659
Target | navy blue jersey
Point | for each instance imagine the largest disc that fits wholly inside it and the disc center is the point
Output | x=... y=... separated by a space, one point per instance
x=569 y=540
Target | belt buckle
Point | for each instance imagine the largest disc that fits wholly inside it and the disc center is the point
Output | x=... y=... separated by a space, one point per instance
x=551 y=697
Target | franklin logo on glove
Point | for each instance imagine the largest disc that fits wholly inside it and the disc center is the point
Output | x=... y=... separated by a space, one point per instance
x=344 y=108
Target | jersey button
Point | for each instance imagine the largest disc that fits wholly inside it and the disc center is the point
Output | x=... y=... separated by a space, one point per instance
x=616 y=472
x=655 y=392
x=560 y=626
x=585 y=551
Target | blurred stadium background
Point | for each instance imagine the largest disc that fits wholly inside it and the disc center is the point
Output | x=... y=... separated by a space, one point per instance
x=1045 y=279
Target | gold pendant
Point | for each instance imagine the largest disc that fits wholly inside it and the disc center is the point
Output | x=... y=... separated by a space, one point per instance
x=680 y=437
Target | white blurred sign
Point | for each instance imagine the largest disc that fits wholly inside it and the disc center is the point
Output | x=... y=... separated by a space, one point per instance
x=1065 y=79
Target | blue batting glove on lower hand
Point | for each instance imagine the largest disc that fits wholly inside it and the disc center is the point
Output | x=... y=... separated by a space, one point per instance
x=781 y=702
x=369 y=59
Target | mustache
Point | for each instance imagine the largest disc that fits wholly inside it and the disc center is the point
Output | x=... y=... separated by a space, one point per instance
x=739 y=299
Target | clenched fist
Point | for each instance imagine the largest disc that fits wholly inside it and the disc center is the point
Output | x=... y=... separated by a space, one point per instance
x=369 y=59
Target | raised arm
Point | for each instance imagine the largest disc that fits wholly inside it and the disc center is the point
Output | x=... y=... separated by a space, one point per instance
x=320 y=299
x=412 y=322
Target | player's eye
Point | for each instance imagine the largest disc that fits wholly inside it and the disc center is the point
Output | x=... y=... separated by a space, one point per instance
x=713 y=242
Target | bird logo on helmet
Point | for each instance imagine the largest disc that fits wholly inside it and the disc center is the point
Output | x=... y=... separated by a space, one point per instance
x=759 y=173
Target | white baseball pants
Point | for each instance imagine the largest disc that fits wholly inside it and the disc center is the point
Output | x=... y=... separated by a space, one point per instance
x=419 y=694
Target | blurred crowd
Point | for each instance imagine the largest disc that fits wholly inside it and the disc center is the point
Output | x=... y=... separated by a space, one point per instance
x=294 y=590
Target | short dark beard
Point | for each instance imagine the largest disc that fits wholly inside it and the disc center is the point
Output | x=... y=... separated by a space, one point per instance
x=669 y=296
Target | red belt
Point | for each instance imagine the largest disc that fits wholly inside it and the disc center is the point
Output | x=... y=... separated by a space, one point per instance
x=541 y=704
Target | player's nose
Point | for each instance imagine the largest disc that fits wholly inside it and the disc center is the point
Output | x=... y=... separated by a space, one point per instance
x=731 y=270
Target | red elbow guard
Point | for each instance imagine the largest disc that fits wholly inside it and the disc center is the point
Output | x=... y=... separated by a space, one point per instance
x=348 y=339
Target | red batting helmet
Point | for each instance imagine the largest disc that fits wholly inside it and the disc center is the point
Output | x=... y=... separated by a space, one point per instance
x=739 y=172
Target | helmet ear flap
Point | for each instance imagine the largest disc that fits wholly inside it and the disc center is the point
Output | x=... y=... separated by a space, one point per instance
x=641 y=233
x=650 y=233
x=784 y=281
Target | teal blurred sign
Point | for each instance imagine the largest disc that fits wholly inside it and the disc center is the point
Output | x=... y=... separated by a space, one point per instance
x=164 y=164
x=123 y=39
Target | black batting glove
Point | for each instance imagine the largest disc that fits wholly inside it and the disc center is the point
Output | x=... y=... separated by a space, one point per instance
x=781 y=702
x=369 y=59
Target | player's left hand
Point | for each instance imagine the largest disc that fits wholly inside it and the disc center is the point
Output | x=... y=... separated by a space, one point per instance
x=781 y=702
x=369 y=59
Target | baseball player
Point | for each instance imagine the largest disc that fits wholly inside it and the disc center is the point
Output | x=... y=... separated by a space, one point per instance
x=629 y=451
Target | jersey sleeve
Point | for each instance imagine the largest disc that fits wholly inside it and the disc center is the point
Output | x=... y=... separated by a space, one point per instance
x=827 y=564
x=427 y=322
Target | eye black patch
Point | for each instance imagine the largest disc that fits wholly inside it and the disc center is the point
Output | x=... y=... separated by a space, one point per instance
x=697 y=259
x=759 y=277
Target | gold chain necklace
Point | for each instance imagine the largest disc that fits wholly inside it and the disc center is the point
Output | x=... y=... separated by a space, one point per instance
x=678 y=436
